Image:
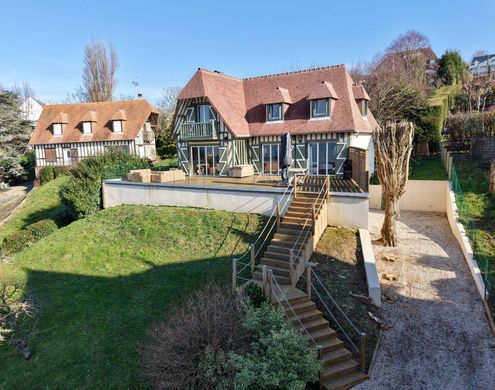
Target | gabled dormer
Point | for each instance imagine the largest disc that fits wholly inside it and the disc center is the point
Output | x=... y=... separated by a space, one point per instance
x=59 y=122
x=362 y=99
x=277 y=104
x=87 y=122
x=322 y=100
x=118 y=120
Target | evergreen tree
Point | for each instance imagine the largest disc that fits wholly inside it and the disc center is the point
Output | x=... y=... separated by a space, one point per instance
x=14 y=137
x=452 y=67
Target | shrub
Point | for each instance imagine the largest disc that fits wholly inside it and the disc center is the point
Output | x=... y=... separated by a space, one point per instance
x=42 y=228
x=81 y=195
x=254 y=293
x=61 y=171
x=462 y=127
x=176 y=354
x=16 y=242
x=28 y=162
x=47 y=174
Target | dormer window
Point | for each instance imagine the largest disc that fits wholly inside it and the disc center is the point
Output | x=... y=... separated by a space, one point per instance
x=274 y=112
x=364 y=108
x=117 y=126
x=57 y=128
x=86 y=126
x=202 y=113
x=320 y=108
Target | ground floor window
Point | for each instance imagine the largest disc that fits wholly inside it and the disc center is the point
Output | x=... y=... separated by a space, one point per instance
x=322 y=158
x=271 y=153
x=121 y=148
x=205 y=160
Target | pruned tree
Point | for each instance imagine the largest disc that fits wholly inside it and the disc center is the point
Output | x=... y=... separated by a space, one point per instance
x=393 y=146
x=100 y=66
x=478 y=91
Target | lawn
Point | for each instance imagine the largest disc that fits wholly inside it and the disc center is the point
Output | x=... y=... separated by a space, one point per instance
x=42 y=202
x=101 y=281
x=427 y=168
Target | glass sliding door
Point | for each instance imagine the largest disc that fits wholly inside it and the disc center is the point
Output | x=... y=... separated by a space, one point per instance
x=322 y=158
x=205 y=160
x=271 y=153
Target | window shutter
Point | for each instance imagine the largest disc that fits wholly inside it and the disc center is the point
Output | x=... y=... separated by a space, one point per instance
x=50 y=155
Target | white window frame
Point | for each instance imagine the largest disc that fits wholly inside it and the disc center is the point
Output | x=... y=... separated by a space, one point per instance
x=269 y=117
x=57 y=129
x=327 y=106
x=119 y=128
x=87 y=127
x=270 y=159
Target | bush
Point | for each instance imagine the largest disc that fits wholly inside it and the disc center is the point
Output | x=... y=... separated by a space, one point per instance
x=28 y=162
x=42 y=228
x=81 y=195
x=47 y=174
x=462 y=127
x=61 y=170
x=16 y=242
x=254 y=293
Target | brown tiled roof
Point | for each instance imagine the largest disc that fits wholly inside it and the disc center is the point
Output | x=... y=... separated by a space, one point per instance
x=90 y=116
x=119 y=115
x=278 y=95
x=137 y=113
x=323 y=90
x=241 y=102
x=360 y=93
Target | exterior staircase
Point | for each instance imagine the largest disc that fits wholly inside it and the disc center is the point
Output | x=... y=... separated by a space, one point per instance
x=296 y=238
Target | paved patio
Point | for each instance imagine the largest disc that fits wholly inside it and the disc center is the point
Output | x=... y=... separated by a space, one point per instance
x=440 y=337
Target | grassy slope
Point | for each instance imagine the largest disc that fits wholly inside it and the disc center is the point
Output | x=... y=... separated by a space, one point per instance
x=102 y=281
x=42 y=202
x=427 y=168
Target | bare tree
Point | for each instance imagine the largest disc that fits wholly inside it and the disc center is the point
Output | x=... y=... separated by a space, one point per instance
x=165 y=142
x=23 y=91
x=99 y=71
x=393 y=146
x=411 y=40
x=477 y=91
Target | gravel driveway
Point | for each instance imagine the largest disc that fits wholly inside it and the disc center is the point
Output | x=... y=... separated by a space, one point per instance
x=440 y=337
x=11 y=198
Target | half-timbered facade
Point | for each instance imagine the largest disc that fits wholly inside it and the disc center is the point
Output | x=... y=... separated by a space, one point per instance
x=67 y=133
x=222 y=121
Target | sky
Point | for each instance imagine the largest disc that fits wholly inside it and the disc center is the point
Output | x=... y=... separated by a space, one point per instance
x=162 y=43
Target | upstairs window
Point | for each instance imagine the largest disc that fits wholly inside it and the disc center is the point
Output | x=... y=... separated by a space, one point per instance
x=117 y=126
x=57 y=128
x=86 y=127
x=274 y=112
x=202 y=113
x=320 y=108
x=364 y=108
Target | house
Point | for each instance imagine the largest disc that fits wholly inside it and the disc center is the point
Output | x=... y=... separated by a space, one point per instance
x=31 y=110
x=66 y=133
x=223 y=121
x=482 y=65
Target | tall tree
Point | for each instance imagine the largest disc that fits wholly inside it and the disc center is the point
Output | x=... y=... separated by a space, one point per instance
x=393 y=146
x=452 y=67
x=14 y=136
x=100 y=66
x=165 y=142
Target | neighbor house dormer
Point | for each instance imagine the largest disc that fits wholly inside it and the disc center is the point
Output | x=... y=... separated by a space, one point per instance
x=118 y=120
x=59 y=122
x=276 y=104
x=362 y=99
x=87 y=122
x=321 y=100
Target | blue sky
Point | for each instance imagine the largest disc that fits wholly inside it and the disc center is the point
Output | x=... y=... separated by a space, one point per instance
x=162 y=43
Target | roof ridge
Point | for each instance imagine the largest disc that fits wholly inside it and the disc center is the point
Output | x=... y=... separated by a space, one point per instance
x=105 y=102
x=218 y=73
x=296 y=71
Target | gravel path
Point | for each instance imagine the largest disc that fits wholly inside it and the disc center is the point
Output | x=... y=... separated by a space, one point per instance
x=11 y=198
x=440 y=337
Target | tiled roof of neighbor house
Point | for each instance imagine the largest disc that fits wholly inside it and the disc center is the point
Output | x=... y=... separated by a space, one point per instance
x=278 y=95
x=323 y=90
x=134 y=112
x=360 y=93
x=241 y=102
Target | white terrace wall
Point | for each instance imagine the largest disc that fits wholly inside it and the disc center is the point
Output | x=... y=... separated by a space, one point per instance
x=420 y=195
x=348 y=210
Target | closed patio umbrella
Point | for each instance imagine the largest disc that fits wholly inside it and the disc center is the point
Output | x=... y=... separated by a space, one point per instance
x=285 y=158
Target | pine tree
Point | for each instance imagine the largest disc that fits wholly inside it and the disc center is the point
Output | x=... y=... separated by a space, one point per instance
x=14 y=136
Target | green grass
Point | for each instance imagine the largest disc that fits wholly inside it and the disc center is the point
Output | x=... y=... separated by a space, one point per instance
x=427 y=168
x=42 y=202
x=102 y=281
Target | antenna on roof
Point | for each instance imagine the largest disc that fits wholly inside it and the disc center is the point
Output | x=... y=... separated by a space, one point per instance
x=136 y=84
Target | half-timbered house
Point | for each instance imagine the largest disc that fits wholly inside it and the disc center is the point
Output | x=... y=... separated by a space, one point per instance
x=223 y=121
x=66 y=133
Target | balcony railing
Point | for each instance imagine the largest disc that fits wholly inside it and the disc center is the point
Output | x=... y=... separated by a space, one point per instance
x=199 y=130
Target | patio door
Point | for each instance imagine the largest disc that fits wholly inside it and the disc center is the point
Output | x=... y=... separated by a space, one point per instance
x=205 y=160
x=322 y=158
x=271 y=153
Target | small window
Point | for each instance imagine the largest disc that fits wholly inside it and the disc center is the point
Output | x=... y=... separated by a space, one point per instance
x=86 y=127
x=274 y=112
x=57 y=128
x=320 y=108
x=364 y=108
x=117 y=126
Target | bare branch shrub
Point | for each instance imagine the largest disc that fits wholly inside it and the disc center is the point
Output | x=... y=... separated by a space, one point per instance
x=209 y=321
x=18 y=319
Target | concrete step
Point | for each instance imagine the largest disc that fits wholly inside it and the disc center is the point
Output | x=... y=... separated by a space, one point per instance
x=346 y=381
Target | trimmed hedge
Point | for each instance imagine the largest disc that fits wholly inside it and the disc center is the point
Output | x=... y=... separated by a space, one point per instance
x=42 y=228
x=16 y=242
x=47 y=174
x=81 y=195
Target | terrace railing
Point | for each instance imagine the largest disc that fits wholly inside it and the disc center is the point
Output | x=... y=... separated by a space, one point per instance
x=199 y=130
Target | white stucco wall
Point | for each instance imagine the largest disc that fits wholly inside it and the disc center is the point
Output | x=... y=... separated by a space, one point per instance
x=348 y=210
x=420 y=195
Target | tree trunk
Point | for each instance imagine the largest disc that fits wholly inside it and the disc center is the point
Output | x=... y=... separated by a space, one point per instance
x=389 y=231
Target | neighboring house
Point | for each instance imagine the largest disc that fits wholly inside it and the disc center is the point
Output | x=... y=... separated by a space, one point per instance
x=66 y=133
x=223 y=121
x=482 y=65
x=31 y=110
